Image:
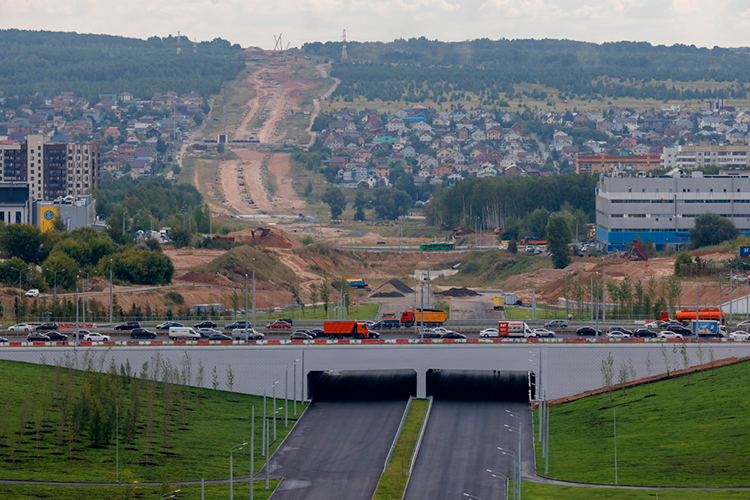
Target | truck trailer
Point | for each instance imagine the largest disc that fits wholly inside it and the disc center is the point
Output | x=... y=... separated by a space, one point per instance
x=703 y=313
x=708 y=328
x=356 y=282
x=346 y=329
x=432 y=317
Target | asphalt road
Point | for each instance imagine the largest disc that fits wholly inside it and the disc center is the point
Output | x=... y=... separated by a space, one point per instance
x=460 y=444
x=337 y=450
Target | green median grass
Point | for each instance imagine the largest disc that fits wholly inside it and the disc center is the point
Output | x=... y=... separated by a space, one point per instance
x=393 y=481
x=684 y=431
x=536 y=491
x=191 y=492
x=58 y=424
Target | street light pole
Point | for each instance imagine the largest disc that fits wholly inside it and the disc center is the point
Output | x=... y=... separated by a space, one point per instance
x=231 y=469
x=110 y=291
x=253 y=293
x=247 y=336
x=252 y=451
x=515 y=467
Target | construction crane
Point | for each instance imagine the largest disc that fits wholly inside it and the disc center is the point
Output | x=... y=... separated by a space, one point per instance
x=278 y=46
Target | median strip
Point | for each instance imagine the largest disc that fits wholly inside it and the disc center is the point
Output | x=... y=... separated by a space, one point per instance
x=393 y=481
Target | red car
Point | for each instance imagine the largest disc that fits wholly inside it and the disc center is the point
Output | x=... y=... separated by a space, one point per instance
x=278 y=324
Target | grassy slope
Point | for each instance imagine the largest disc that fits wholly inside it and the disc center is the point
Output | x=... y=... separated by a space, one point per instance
x=196 y=449
x=393 y=481
x=228 y=106
x=552 y=492
x=678 y=432
x=27 y=492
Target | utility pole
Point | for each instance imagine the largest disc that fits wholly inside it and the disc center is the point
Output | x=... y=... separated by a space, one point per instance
x=604 y=292
x=110 y=291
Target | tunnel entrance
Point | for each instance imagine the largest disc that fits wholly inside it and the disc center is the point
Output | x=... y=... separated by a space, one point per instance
x=481 y=385
x=365 y=385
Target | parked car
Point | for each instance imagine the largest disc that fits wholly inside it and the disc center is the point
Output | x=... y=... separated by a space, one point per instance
x=219 y=337
x=556 y=324
x=621 y=330
x=246 y=334
x=128 y=325
x=453 y=335
x=33 y=293
x=488 y=332
x=96 y=337
x=543 y=332
x=616 y=334
x=300 y=335
x=667 y=334
x=206 y=332
x=20 y=327
x=204 y=324
x=167 y=325
x=739 y=336
x=56 y=336
x=587 y=330
x=644 y=333
x=142 y=332
x=37 y=337
x=238 y=324
x=279 y=323
x=48 y=326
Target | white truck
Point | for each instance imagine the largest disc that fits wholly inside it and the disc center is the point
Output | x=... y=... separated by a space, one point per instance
x=183 y=333
x=514 y=329
x=707 y=328
x=246 y=334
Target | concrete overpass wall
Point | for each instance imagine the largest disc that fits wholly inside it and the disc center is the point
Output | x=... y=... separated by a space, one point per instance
x=566 y=369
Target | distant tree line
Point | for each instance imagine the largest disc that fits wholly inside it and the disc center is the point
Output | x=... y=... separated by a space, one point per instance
x=39 y=64
x=421 y=69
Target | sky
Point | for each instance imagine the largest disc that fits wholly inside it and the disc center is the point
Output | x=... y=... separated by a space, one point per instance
x=705 y=23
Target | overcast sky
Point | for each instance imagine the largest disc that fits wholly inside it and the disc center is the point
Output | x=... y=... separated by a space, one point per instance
x=704 y=23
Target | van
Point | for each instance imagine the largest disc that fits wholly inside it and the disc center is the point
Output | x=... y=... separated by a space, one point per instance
x=514 y=329
x=246 y=334
x=183 y=333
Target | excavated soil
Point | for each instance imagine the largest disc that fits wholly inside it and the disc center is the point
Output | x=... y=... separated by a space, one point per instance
x=186 y=258
x=277 y=238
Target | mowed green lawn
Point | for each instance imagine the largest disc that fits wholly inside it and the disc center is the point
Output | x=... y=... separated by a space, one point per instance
x=534 y=491
x=678 y=432
x=191 y=492
x=39 y=441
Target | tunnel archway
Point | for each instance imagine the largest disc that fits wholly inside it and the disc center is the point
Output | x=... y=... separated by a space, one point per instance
x=481 y=385
x=364 y=385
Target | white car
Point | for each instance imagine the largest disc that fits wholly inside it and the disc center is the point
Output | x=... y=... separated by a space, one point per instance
x=488 y=332
x=543 y=332
x=666 y=334
x=32 y=293
x=619 y=335
x=653 y=325
x=441 y=330
x=739 y=336
x=95 y=337
x=21 y=327
x=743 y=324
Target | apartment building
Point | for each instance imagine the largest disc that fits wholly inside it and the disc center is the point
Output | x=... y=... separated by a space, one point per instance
x=51 y=170
x=603 y=164
x=690 y=157
x=663 y=209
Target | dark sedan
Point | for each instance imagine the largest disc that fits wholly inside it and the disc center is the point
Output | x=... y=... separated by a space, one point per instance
x=453 y=335
x=48 y=326
x=644 y=333
x=37 y=337
x=299 y=335
x=620 y=329
x=56 y=336
x=128 y=325
x=316 y=332
x=219 y=337
x=142 y=332
x=205 y=324
x=588 y=331
x=680 y=329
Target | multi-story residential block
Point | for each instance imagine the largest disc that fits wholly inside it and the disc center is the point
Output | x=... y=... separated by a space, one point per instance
x=51 y=170
x=690 y=157
x=603 y=164
x=663 y=209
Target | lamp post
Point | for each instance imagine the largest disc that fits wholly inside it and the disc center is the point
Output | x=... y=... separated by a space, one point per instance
x=273 y=390
x=110 y=291
x=499 y=475
x=471 y=496
x=253 y=291
x=515 y=467
x=520 y=439
x=20 y=276
x=58 y=271
x=247 y=337
x=231 y=468
x=171 y=494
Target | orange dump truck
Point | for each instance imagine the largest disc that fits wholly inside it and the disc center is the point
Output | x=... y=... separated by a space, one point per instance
x=432 y=317
x=346 y=329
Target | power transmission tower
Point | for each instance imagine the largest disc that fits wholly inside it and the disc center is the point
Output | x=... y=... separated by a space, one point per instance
x=344 y=57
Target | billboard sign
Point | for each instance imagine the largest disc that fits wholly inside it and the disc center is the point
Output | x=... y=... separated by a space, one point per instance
x=47 y=217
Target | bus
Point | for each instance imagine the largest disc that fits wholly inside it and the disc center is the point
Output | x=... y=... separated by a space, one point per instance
x=436 y=247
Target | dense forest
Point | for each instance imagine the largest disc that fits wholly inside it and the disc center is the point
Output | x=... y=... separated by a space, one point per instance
x=498 y=201
x=420 y=69
x=47 y=63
